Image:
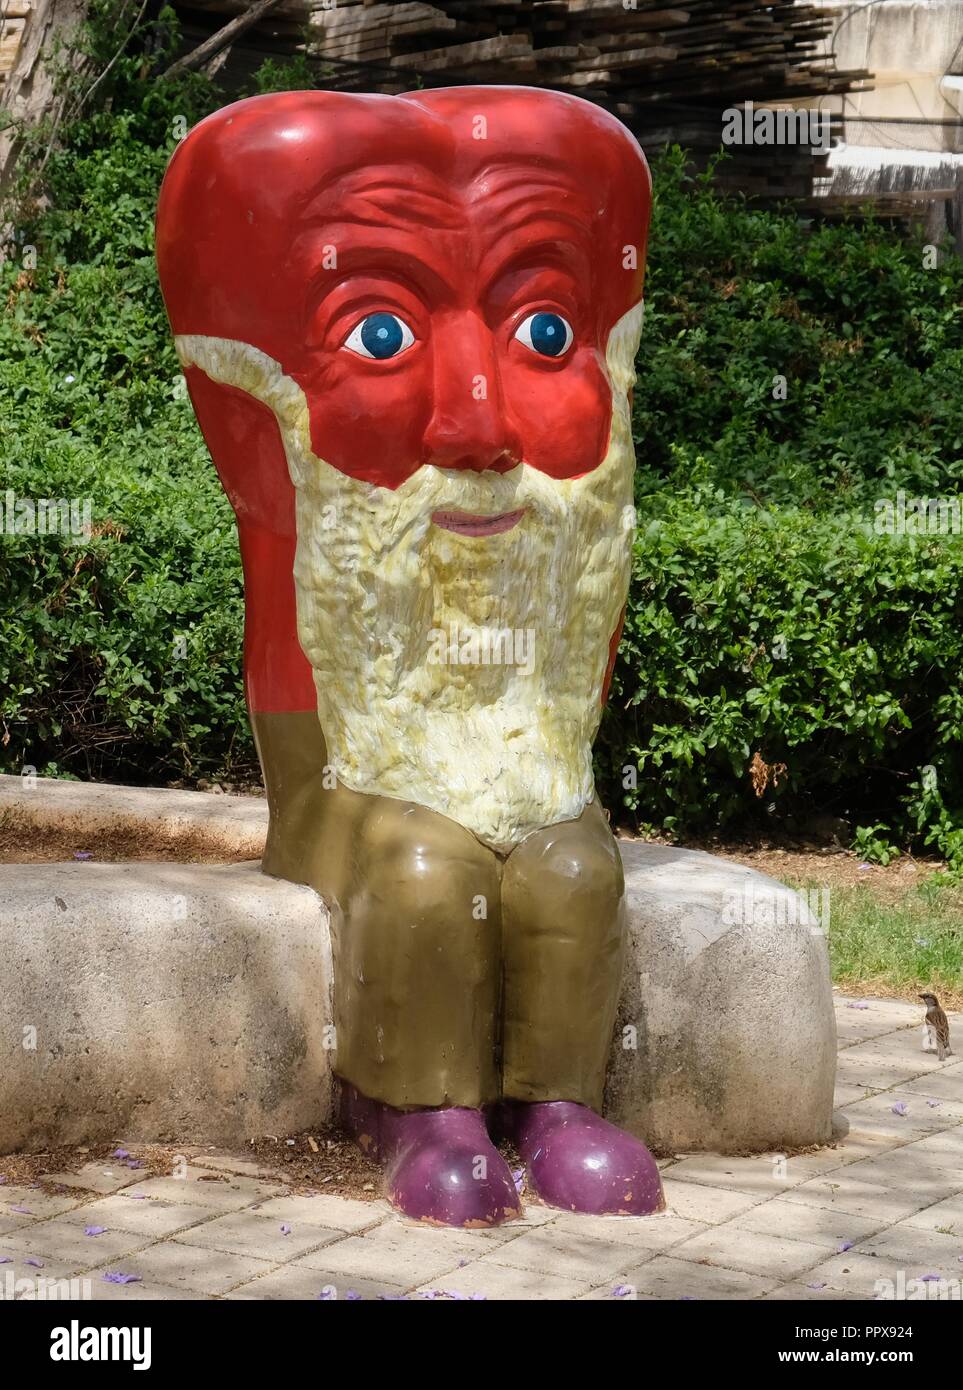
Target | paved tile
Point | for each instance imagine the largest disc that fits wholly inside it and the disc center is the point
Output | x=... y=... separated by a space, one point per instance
x=813 y=1291
x=815 y=1225
x=149 y=1217
x=298 y=1282
x=194 y=1190
x=912 y=1252
x=19 y=1280
x=639 y=1232
x=338 y=1213
x=39 y=1203
x=696 y=1201
x=498 y=1283
x=948 y=1214
x=103 y=1176
x=565 y=1253
x=64 y=1240
x=668 y=1277
x=760 y=1175
x=396 y=1251
x=872 y=1200
x=754 y=1253
x=944 y=1084
x=250 y=1233
x=169 y=1264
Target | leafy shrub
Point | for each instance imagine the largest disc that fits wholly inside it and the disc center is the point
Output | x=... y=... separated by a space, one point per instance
x=780 y=658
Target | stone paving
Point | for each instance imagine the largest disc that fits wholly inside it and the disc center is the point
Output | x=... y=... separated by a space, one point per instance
x=885 y=1204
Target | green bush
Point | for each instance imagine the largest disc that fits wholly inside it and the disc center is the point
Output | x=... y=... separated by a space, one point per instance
x=780 y=658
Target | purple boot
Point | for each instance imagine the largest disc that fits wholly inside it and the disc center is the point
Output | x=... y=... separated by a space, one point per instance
x=579 y=1161
x=432 y=1162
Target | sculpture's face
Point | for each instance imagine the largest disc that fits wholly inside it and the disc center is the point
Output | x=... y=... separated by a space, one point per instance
x=439 y=299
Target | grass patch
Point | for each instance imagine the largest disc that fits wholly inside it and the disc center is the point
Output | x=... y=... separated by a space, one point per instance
x=895 y=949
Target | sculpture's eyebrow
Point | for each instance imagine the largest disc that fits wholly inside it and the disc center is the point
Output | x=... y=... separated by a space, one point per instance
x=391 y=198
x=389 y=255
x=535 y=217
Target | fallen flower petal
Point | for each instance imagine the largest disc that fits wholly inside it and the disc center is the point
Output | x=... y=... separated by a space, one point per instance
x=857 y=1004
x=900 y=1108
x=22 y=1211
x=116 y=1278
x=621 y=1290
x=37 y=1264
x=121 y=1153
x=94 y=1230
x=815 y=1286
x=285 y=1230
x=846 y=1245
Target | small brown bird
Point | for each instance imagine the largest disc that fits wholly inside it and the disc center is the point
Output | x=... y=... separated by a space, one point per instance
x=936 y=1029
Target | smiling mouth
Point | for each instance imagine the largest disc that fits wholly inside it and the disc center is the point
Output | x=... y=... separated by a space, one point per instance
x=468 y=524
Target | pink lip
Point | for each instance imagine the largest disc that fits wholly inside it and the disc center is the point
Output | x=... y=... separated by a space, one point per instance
x=467 y=524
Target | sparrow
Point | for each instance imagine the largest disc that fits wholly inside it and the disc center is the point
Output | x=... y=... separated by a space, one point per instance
x=936 y=1029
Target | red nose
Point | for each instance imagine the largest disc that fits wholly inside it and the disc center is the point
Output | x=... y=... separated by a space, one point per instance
x=468 y=428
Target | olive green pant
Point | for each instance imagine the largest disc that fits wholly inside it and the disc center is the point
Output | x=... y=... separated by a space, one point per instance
x=460 y=975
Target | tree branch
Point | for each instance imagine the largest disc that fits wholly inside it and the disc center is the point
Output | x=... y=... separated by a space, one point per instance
x=221 y=39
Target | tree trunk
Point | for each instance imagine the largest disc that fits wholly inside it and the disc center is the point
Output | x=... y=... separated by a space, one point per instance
x=28 y=95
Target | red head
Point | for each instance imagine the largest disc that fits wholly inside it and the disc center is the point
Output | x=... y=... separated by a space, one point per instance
x=438 y=272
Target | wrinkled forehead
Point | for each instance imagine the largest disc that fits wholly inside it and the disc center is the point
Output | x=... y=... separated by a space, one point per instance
x=257 y=190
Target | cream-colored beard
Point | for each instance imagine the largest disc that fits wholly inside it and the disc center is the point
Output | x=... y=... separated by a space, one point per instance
x=503 y=747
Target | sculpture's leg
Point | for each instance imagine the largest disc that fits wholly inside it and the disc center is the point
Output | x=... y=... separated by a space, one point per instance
x=562 y=923
x=416 y=940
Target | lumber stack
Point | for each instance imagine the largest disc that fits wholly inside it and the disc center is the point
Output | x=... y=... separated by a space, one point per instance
x=668 y=70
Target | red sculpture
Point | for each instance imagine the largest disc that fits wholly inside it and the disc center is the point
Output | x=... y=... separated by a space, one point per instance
x=408 y=326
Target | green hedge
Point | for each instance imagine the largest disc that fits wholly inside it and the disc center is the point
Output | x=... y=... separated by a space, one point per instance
x=768 y=623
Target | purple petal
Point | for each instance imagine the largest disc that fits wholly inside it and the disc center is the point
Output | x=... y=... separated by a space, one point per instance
x=393 y=1297
x=688 y=1298
x=94 y=1230
x=121 y=1153
x=846 y=1245
x=285 y=1230
x=900 y=1108
x=352 y=1296
x=928 y=1278
x=83 y=854
x=934 y=1104
x=2 y=1178
x=115 y=1278
x=816 y=1286
x=462 y=1263
x=5 y=1260
x=479 y=1298
x=328 y=1295
x=518 y=1178
x=138 y=1196
x=857 y=1004
x=37 y=1264
x=621 y=1290
x=22 y=1211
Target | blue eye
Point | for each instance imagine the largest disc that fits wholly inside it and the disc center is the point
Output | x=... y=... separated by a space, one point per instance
x=380 y=336
x=546 y=333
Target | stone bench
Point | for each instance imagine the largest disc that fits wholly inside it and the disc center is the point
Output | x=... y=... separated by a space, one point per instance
x=191 y=1001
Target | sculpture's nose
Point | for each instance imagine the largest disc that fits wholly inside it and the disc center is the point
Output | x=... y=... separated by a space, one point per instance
x=468 y=428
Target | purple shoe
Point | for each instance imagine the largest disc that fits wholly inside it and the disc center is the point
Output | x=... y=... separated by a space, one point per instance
x=440 y=1165
x=579 y=1161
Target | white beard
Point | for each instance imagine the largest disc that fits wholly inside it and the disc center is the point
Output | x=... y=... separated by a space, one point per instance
x=501 y=746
